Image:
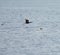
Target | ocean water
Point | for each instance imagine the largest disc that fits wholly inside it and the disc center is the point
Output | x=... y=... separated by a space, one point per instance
x=41 y=37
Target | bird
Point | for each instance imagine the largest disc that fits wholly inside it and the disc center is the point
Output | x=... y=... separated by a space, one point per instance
x=27 y=21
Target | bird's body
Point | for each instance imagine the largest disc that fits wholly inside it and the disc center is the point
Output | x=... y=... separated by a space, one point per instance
x=27 y=21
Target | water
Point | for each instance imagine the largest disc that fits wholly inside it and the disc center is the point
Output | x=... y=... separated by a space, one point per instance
x=41 y=37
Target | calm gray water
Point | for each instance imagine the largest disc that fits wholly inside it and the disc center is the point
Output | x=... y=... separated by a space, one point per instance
x=41 y=37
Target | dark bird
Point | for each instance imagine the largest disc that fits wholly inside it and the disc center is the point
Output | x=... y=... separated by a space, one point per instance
x=27 y=21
